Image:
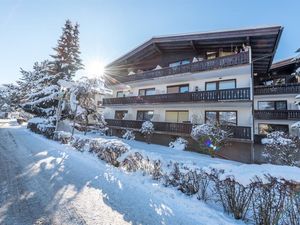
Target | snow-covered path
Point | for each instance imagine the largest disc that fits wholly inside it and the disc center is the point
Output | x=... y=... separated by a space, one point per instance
x=43 y=182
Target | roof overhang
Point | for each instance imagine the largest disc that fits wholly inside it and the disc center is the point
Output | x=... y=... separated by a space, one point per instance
x=263 y=41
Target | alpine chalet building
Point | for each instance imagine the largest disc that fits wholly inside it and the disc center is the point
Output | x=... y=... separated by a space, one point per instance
x=180 y=80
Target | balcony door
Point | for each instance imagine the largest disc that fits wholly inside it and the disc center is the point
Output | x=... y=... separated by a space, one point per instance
x=177 y=116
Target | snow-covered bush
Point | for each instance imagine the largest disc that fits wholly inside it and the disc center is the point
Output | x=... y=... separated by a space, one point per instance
x=136 y=161
x=147 y=130
x=179 y=144
x=128 y=135
x=268 y=201
x=235 y=197
x=281 y=149
x=108 y=150
x=211 y=137
x=292 y=205
x=80 y=143
x=41 y=126
x=62 y=136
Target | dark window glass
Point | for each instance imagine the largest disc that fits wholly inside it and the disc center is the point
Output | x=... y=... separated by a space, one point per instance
x=264 y=105
x=211 y=117
x=120 y=114
x=148 y=91
x=228 y=118
x=144 y=115
x=220 y=85
x=184 y=89
x=226 y=84
x=178 y=89
x=120 y=94
x=178 y=63
x=281 y=105
x=211 y=86
x=272 y=105
x=221 y=117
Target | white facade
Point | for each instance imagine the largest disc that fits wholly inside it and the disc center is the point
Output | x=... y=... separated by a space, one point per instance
x=196 y=110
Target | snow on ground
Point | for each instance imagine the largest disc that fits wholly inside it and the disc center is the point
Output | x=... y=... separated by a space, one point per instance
x=243 y=173
x=44 y=182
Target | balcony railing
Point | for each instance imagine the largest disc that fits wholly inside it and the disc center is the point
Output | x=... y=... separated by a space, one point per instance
x=277 y=89
x=277 y=114
x=239 y=132
x=211 y=64
x=199 y=96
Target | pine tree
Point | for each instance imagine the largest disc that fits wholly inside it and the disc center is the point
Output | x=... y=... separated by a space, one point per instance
x=66 y=62
x=41 y=100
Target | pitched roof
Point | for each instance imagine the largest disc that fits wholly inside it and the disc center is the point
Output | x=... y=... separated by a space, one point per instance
x=263 y=40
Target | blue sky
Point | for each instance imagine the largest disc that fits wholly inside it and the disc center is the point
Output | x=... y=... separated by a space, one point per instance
x=29 y=29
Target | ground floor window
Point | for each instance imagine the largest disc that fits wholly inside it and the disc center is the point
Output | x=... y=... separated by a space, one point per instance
x=264 y=128
x=144 y=115
x=272 y=105
x=221 y=117
x=179 y=116
x=120 y=114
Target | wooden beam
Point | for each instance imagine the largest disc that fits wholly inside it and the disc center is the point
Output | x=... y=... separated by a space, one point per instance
x=194 y=46
x=156 y=47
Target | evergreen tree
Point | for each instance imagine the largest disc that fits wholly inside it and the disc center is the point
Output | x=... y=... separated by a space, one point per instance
x=66 y=62
x=41 y=99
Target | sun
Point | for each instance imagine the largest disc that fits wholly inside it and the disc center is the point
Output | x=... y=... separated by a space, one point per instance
x=95 y=68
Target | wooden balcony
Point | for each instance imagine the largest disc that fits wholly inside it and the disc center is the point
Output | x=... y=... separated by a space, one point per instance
x=277 y=89
x=277 y=114
x=239 y=132
x=211 y=64
x=237 y=94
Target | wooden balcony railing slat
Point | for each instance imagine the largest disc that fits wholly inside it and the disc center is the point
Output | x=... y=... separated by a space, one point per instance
x=239 y=132
x=218 y=95
x=290 y=88
x=277 y=114
x=211 y=64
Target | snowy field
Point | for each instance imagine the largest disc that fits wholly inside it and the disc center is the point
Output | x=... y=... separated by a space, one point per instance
x=43 y=182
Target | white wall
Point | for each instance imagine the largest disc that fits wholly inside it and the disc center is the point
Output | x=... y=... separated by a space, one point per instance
x=242 y=74
x=243 y=109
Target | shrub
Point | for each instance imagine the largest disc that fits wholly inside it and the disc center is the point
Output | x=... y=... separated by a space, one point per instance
x=80 y=143
x=268 y=201
x=235 y=197
x=147 y=130
x=41 y=126
x=108 y=150
x=210 y=137
x=281 y=149
x=62 y=136
x=136 y=161
x=128 y=135
x=179 y=144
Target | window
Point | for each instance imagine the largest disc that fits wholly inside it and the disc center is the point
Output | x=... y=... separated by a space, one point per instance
x=120 y=114
x=120 y=94
x=221 y=117
x=177 y=116
x=211 y=55
x=148 y=91
x=144 y=115
x=178 y=63
x=268 y=128
x=272 y=105
x=220 y=85
x=178 y=89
